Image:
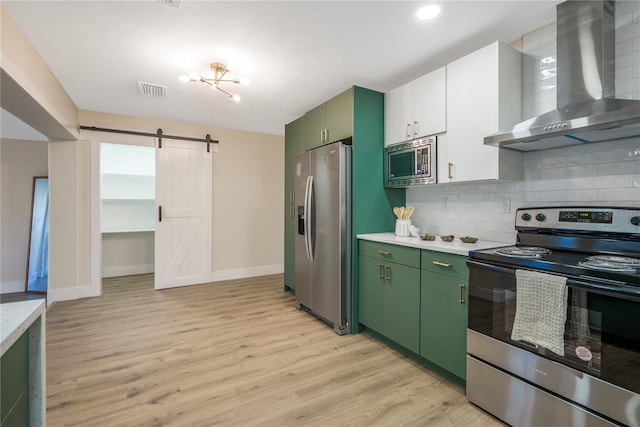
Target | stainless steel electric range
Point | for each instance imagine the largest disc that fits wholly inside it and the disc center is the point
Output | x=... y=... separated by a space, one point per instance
x=553 y=332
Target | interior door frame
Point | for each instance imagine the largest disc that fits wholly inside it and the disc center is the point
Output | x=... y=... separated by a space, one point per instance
x=95 y=286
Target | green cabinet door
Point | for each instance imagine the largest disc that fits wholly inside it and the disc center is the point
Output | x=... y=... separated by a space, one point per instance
x=371 y=293
x=14 y=384
x=330 y=122
x=402 y=305
x=315 y=123
x=443 y=322
x=340 y=116
x=389 y=300
x=293 y=146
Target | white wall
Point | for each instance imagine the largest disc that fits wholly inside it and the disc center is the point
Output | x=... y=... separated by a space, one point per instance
x=602 y=174
x=21 y=160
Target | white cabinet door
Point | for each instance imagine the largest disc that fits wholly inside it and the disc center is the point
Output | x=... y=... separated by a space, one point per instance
x=416 y=109
x=429 y=103
x=183 y=230
x=483 y=97
x=397 y=114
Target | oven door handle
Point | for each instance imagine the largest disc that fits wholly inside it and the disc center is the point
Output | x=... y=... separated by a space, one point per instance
x=598 y=285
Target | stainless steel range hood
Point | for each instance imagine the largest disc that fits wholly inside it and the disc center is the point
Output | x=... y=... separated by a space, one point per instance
x=586 y=110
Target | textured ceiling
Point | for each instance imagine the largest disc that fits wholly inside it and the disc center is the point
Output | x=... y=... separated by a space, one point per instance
x=296 y=54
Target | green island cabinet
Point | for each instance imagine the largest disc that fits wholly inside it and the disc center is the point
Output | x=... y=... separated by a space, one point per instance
x=390 y=292
x=14 y=384
x=356 y=113
x=444 y=287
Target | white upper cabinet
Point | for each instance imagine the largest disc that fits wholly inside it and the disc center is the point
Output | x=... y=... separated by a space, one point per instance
x=417 y=108
x=484 y=96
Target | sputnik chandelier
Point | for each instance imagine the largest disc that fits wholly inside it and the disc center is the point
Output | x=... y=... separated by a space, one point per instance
x=219 y=71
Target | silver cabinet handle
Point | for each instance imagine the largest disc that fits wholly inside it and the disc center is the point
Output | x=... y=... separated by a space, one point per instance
x=326 y=135
x=461 y=294
x=322 y=135
x=441 y=264
x=415 y=128
x=388 y=277
x=450 y=170
x=380 y=271
x=408 y=132
x=384 y=253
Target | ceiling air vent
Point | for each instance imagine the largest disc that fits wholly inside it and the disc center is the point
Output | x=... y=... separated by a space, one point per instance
x=149 y=89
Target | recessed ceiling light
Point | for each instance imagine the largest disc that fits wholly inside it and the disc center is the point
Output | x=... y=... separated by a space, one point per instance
x=428 y=12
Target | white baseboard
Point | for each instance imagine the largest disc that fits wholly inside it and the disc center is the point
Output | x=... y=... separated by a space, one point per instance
x=241 y=273
x=11 y=286
x=71 y=293
x=127 y=270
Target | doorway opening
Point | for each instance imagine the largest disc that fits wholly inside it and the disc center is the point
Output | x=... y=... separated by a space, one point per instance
x=127 y=203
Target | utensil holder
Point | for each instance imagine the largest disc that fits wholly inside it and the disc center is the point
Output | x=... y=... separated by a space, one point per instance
x=402 y=227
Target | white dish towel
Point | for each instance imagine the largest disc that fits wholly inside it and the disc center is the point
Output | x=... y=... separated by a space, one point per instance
x=541 y=310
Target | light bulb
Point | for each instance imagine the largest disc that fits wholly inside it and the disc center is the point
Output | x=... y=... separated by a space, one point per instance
x=428 y=12
x=183 y=78
x=236 y=98
x=194 y=76
x=245 y=82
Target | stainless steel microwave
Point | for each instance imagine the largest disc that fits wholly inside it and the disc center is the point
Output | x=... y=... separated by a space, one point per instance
x=410 y=163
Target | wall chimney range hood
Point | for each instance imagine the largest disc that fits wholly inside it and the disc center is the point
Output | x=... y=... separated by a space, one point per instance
x=586 y=110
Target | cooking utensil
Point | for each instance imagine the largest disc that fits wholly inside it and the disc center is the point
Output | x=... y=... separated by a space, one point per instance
x=408 y=212
x=396 y=211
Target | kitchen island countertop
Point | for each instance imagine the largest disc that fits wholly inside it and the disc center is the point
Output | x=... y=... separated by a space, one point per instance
x=455 y=247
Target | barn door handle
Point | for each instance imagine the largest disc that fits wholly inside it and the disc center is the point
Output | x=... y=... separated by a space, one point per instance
x=159 y=213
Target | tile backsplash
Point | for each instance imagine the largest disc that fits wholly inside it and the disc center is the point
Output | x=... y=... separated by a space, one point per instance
x=598 y=174
x=602 y=174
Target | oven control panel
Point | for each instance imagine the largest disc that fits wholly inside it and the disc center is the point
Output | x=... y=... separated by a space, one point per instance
x=606 y=219
x=600 y=217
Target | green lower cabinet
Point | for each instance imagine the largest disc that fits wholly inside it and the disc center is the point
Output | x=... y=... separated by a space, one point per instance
x=389 y=300
x=443 y=321
x=14 y=384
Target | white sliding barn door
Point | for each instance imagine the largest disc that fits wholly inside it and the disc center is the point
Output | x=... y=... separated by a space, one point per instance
x=183 y=214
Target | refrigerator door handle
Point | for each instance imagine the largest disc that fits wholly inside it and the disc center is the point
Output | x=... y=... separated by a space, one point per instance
x=306 y=219
x=309 y=232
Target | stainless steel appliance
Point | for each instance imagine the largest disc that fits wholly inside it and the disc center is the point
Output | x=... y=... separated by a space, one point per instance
x=410 y=163
x=323 y=240
x=594 y=377
x=586 y=108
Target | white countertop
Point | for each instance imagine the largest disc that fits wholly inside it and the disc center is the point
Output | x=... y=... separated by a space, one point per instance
x=15 y=318
x=456 y=247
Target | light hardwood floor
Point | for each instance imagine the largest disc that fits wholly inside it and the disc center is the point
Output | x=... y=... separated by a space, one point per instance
x=234 y=353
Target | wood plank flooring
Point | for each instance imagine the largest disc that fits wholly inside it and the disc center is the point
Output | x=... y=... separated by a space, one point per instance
x=234 y=353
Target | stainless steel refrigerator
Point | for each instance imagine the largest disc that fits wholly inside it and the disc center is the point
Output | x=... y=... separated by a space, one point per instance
x=323 y=238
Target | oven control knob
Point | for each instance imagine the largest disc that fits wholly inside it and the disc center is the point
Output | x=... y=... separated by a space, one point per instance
x=541 y=217
x=526 y=217
x=635 y=220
